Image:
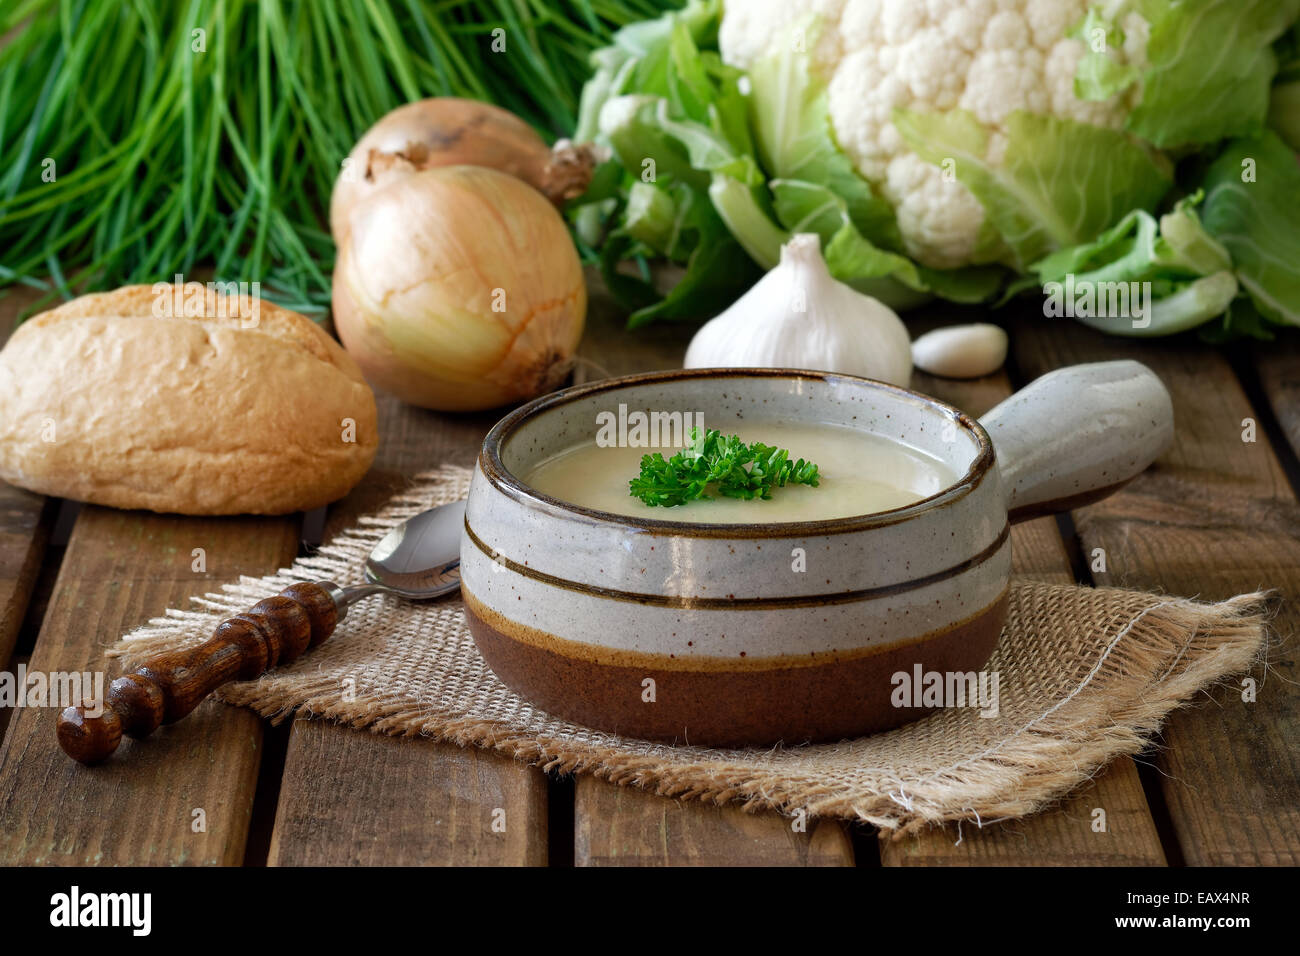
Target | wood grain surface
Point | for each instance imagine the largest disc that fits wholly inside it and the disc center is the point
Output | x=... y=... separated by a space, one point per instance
x=624 y=826
x=618 y=826
x=185 y=794
x=353 y=798
x=1278 y=367
x=349 y=796
x=1067 y=835
x=1214 y=517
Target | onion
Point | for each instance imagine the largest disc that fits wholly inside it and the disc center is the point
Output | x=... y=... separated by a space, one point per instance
x=458 y=288
x=447 y=131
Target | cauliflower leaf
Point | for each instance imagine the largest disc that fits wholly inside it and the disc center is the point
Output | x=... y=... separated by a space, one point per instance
x=1059 y=182
x=1252 y=194
x=1211 y=68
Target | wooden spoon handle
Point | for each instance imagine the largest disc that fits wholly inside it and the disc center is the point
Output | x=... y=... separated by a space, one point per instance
x=166 y=688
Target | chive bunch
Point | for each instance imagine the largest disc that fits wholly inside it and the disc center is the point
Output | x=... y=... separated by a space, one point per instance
x=141 y=139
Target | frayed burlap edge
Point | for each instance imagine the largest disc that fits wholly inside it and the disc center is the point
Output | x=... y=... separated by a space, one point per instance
x=1188 y=645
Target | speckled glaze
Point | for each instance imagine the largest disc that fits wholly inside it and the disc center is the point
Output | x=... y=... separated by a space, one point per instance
x=749 y=634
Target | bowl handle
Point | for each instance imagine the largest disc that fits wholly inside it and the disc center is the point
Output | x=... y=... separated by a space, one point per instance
x=1077 y=434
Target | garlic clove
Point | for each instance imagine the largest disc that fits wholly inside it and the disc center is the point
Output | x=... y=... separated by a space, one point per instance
x=799 y=316
x=961 y=351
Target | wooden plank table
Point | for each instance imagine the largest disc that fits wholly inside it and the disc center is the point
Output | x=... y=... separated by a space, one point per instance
x=1215 y=516
x=1066 y=836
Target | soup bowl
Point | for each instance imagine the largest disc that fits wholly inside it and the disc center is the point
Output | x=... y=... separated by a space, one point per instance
x=751 y=634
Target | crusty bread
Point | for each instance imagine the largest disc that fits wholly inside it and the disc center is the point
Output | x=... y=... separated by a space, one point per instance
x=242 y=409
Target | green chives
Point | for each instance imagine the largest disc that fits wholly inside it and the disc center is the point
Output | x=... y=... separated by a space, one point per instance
x=207 y=134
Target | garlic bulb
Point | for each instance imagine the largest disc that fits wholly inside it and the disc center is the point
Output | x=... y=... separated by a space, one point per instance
x=799 y=316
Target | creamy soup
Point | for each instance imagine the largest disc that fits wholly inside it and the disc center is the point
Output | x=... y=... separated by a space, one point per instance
x=859 y=474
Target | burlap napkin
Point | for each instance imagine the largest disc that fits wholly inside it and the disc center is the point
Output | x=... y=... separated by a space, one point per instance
x=1086 y=675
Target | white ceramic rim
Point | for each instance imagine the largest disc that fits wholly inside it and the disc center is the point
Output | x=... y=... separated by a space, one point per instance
x=509 y=484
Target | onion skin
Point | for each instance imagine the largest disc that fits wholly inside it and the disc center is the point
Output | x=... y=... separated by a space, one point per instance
x=425 y=259
x=447 y=131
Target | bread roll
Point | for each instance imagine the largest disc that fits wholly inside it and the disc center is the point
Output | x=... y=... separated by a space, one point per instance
x=180 y=399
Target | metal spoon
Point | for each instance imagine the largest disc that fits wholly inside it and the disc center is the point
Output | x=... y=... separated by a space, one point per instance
x=419 y=559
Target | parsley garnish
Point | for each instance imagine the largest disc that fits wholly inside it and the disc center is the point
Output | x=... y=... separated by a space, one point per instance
x=725 y=465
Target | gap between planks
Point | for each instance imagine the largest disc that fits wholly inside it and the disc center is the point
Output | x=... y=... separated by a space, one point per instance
x=626 y=826
x=1063 y=835
x=1117 y=789
x=348 y=795
x=119 y=569
x=184 y=794
x=1215 y=516
x=26 y=519
x=353 y=797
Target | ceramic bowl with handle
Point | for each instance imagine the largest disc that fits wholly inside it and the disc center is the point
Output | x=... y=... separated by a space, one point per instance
x=749 y=634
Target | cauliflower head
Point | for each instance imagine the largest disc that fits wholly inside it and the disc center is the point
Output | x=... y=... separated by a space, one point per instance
x=989 y=57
